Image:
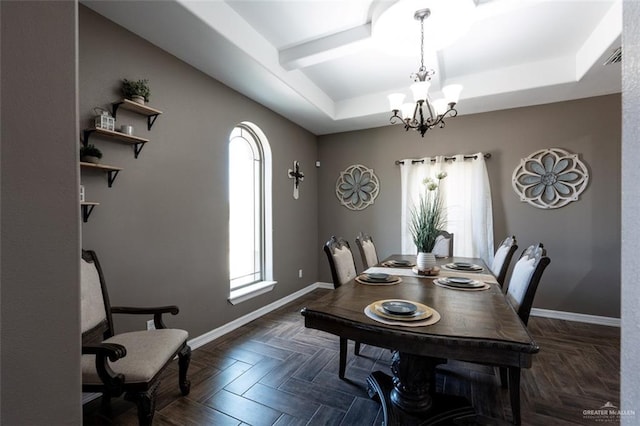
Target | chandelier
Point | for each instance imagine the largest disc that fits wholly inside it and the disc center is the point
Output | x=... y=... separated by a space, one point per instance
x=424 y=114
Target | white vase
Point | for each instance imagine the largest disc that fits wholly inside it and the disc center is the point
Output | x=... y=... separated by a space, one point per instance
x=138 y=99
x=425 y=261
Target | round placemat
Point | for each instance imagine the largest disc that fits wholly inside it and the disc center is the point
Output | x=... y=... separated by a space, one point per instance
x=370 y=312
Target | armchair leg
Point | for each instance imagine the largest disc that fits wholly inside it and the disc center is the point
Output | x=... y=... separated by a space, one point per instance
x=146 y=403
x=343 y=357
x=514 y=393
x=503 y=377
x=184 y=358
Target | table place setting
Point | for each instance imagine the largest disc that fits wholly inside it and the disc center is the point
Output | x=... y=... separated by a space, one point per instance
x=402 y=312
x=461 y=283
x=463 y=267
x=398 y=263
x=373 y=278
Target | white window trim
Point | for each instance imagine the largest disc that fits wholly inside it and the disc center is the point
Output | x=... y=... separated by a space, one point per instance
x=251 y=291
x=262 y=287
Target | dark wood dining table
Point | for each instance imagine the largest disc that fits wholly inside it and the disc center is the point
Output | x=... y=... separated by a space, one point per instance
x=474 y=326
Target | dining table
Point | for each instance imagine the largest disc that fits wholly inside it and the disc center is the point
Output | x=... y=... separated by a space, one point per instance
x=467 y=323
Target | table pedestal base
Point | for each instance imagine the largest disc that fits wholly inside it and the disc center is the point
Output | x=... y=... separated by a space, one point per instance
x=444 y=410
x=438 y=410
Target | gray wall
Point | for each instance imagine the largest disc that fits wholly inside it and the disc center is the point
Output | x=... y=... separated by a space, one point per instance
x=39 y=333
x=630 y=374
x=161 y=231
x=582 y=238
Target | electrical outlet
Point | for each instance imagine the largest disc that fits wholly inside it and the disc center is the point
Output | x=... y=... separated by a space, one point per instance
x=299 y=273
x=151 y=325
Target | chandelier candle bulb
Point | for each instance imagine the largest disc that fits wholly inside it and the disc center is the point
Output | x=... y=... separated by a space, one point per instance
x=420 y=90
x=452 y=93
x=396 y=100
x=407 y=111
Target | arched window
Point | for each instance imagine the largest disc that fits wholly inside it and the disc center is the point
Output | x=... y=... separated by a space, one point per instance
x=250 y=256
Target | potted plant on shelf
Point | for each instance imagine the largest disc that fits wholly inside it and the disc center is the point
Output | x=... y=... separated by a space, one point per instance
x=137 y=91
x=90 y=154
x=427 y=219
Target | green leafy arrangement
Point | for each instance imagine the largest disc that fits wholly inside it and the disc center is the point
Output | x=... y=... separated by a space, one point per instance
x=427 y=218
x=136 y=88
x=90 y=151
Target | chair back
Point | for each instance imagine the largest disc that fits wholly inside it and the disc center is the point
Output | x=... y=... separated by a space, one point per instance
x=367 y=250
x=341 y=262
x=502 y=259
x=525 y=279
x=444 y=245
x=95 y=313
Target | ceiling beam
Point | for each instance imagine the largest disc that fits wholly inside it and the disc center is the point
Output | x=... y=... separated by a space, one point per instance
x=326 y=48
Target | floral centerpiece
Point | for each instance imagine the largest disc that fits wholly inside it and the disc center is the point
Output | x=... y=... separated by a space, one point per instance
x=427 y=219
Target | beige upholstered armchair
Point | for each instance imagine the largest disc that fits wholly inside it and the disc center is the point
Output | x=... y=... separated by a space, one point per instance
x=444 y=245
x=343 y=270
x=367 y=250
x=129 y=363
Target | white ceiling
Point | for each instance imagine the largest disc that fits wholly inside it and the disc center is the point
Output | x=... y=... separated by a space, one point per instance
x=320 y=62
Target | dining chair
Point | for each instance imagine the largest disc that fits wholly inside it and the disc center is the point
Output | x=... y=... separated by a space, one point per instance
x=444 y=244
x=502 y=259
x=343 y=270
x=367 y=250
x=521 y=291
x=131 y=363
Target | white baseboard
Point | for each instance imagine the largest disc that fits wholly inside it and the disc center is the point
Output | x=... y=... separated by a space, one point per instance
x=239 y=322
x=328 y=286
x=573 y=316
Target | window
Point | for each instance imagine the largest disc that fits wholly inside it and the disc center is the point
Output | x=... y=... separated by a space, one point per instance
x=249 y=213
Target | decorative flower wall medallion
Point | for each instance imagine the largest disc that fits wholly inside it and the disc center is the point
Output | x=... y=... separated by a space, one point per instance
x=357 y=187
x=550 y=178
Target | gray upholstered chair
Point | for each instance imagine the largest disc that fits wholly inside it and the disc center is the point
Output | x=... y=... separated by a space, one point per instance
x=444 y=244
x=129 y=363
x=502 y=258
x=521 y=291
x=367 y=250
x=343 y=270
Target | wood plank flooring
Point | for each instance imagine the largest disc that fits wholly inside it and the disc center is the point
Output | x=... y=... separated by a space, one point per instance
x=274 y=371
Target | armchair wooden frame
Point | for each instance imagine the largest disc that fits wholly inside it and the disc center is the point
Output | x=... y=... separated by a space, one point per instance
x=114 y=384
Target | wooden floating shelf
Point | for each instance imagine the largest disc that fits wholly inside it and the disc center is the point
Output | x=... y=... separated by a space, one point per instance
x=99 y=166
x=111 y=171
x=136 y=107
x=136 y=141
x=123 y=137
x=150 y=113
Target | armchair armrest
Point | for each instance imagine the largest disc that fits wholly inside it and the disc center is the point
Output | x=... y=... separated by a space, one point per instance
x=103 y=351
x=155 y=311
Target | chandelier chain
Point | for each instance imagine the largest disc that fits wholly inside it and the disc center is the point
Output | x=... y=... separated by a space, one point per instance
x=422 y=43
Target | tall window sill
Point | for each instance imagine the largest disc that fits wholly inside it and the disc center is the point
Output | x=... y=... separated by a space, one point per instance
x=249 y=292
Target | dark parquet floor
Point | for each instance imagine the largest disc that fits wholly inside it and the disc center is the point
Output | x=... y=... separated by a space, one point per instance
x=274 y=371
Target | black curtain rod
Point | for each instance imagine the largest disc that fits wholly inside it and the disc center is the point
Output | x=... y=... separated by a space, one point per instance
x=466 y=157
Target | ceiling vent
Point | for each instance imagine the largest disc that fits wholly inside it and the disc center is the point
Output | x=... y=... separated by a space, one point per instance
x=615 y=57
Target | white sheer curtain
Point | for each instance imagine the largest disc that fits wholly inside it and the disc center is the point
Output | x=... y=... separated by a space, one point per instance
x=467 y=196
